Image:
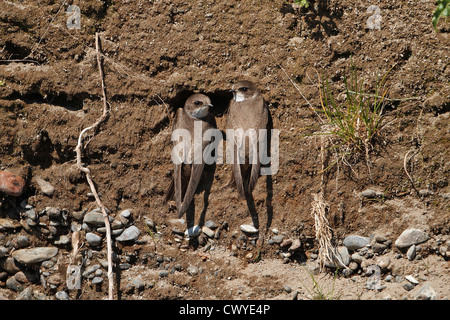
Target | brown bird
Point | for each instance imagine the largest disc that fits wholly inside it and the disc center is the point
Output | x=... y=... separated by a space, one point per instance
x=247 y=110
x=192 y=178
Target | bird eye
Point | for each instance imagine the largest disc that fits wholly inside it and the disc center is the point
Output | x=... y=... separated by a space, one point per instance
x=243 y=89
x=197 y=103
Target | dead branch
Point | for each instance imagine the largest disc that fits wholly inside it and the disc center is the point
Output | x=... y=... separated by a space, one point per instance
x=327 y=252
x=103 y=117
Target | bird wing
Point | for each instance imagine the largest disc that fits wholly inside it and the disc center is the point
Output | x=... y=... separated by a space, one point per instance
x=255 y=172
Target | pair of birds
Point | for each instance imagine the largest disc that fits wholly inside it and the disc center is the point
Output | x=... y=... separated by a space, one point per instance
x=247 y=110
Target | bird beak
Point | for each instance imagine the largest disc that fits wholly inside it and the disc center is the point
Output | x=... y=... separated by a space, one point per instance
x=209 y=105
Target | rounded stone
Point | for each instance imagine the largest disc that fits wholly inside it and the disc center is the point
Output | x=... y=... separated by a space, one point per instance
x=129 y=234
x=354 y=242
x=93 y=239
x=409 y=237
x=34 y=255
x=248 y=229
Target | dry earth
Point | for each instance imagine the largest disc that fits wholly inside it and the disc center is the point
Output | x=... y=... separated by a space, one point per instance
x=156 y=53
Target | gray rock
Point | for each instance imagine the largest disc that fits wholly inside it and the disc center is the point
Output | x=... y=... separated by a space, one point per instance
x=408 y=286
x=126 y=213
x=163 y=273
x=150 y=223
x=3 y=252
x=411 y=253
x=63 y=240
x=248 y=229
x=368 y=193
x=21 y=242
x=374 y=281
x=344 y=255
x=410 y=237
x=192 y=270
x=31 y=213
x=354 y=242
x=129 y=234
x=412 y=279
x=94 y=218
x=138 y=283
x=97 y=280
x=278 y=239
x=26 y=294
x=356 y=257
x=45 y=186
x=426 y=293
x=296 y=244
x=90 y=270
x=14 y=285
x=211 y=224
x=378 y=247
x=62 y=295
x=34 y=255
x=93 y=239
x=210 y=233
x=287 y=288
x=6 y=224
x=9 y=265
x=53 y=213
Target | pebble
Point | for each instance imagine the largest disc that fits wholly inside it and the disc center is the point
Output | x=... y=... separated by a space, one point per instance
x=97 y=280
x=34 y=255
x=62 y=295
x=53 y=213
x=26 y=294
x=93 y=239
x=287 y=288
x=192 y=270
x=412 y=279
x=45 y=186
x=21 y=242
x=368 y=193
x=6 y=224
x=14 y=285
x=278 y=239
x=94 y=218
x=126 y=213
x=193 y=232
x=383 y=262
x=129 y=234
x=285 y=243
x=3 y=252
x=426 y=293
x=210 y=224
x=354 y=242
x=296 y=244
x=11 y=184
x=149 y=222
x=31 y=213
x=411 y=253
x=9 y=265
x=63 y=240
x=410 y=237
x=357 y=258
x=248 y=229
x=408 y=286
x=210 y=233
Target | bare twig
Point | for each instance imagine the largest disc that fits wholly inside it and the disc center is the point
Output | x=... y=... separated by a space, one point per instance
x=103 y=117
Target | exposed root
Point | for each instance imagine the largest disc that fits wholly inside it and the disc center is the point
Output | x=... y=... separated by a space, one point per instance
x=103 y=117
